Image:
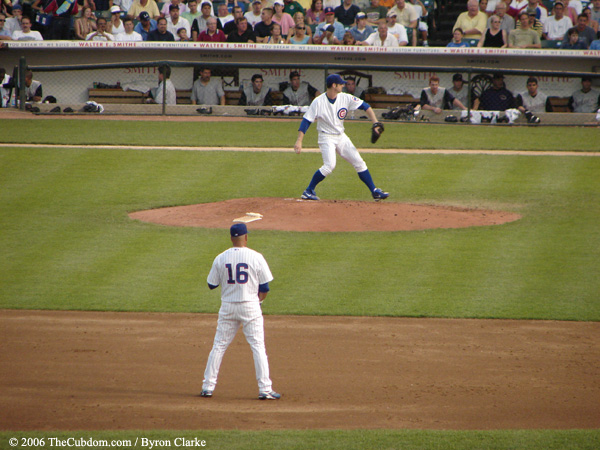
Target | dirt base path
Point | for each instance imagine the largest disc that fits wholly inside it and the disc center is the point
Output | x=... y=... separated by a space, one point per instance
x=108 y=371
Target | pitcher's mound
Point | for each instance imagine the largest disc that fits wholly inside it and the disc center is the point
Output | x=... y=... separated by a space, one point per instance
x=291 y=214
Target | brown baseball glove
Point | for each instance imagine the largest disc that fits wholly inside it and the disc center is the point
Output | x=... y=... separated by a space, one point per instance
x=376 y=131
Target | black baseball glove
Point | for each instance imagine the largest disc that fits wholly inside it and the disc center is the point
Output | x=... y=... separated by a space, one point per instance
x=376 y=131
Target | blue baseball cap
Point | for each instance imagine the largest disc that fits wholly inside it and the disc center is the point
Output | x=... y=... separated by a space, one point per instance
x=334 y=78
x=238 y=229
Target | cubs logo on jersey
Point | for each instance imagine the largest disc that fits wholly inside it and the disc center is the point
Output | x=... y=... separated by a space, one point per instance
x=342 y=113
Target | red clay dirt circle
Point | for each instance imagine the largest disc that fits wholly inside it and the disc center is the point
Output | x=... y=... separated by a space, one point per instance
x=292 y=214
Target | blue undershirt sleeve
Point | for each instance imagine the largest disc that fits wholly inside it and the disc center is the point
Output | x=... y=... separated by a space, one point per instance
x=304 y=125
x=364 y=106
x=211 y=286
x=264 y=287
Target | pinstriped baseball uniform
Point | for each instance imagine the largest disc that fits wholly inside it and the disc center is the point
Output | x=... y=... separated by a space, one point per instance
x=330 y=125
x=239 y=271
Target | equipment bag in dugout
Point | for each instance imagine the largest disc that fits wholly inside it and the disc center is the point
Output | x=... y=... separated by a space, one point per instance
x=376 y=131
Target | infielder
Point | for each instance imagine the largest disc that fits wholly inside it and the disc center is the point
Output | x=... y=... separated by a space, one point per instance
x=244 y=277
x=330 y=109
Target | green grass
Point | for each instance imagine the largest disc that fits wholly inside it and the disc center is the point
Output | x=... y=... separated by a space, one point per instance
x=282 y=134
x=67 y=242
x=327 y=440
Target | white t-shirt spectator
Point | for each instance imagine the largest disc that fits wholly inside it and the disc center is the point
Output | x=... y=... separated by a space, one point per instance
x=19 y=35
x=133 y=37
x=556 y=29
x=375 y=40
x=181 y=23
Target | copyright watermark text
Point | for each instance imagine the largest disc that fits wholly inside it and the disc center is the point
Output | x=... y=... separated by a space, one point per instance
x=142 y=442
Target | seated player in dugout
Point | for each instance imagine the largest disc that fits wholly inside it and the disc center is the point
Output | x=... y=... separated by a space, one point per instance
x=299 y=93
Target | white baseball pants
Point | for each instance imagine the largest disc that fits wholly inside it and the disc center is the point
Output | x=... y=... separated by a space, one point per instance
x=232 y=315
x=330 y=144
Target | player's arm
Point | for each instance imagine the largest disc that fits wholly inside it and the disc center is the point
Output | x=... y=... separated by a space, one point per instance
x=370 y=113
x=301 y=132
x=263 y=290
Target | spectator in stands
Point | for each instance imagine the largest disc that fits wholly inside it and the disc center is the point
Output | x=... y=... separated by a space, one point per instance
x=539 y=11
x=26 y=33
x=299 y=93
x=435 y=98
x=595 y=45
x=100 y=6
x=130 y=34
x=115 y=26
x=596 y=10
x=381 y=38
x=535 y=24
x=291 y=7
x=283 y=18
x=256 y=94
x=532 y=101
x=4 y=34
x=494 y=36
x=351 y=88
x=396 y=29
x=507 y=23
x=591 y=22
x=13 y=23
x=422 y=23
x=346 y=13
x=585 y=100
x=242 y=33
x=144 y=5
x=515 y=6
x=166 y=8
x=472 y=21
x=262 y=29
x=457 y=39
x=182 y=35
x=276 y=36
x=361 y=31
x=33 y=88
x=223 y=15
x=348 y=39
x=483 y=4
x=192 y=13
x=254 y=15
x=586 y=33
x=299 y=19
x=524 y=36
x=338 y=33
x=206 y=91
x=100 y=34
x=495 y=98
x=376 y=13
x=212 y=33
x=570 y=12
x=573 y=42
x=407 y=16
x=62 y=12
x=165 y=85
x=299 y=37
x=161 y=34
x=316 y=13
x=86 y=24
x=231 y=26
x=146 y=25
x=199 y=25
x=558 y=24
x=459 y=91
x=175 y=22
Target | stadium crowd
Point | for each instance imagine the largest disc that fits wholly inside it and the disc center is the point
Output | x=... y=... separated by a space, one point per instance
x=485 y=23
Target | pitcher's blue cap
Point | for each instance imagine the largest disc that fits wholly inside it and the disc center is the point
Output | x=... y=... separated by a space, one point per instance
x=238 y=229
x=334 y=78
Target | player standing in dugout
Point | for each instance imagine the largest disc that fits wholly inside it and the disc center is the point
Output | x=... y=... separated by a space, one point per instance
x=330 y=109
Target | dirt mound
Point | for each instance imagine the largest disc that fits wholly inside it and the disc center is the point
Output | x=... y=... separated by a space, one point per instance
x=291 y=214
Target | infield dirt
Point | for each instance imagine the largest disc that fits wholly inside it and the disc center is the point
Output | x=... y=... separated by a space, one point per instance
x=109 y=371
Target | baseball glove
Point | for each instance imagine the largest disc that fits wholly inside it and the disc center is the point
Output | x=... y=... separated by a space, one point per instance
x=376 y=131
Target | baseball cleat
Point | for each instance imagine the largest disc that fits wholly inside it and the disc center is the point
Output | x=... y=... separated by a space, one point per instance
x=269 y=396
x=378 y=194
x=207 y=394
x=309 y=195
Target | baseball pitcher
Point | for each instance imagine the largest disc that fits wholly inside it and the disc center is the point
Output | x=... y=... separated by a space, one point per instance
x=330 y=109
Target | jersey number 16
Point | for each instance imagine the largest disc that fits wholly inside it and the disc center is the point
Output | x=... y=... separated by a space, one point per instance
x=241 y=275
